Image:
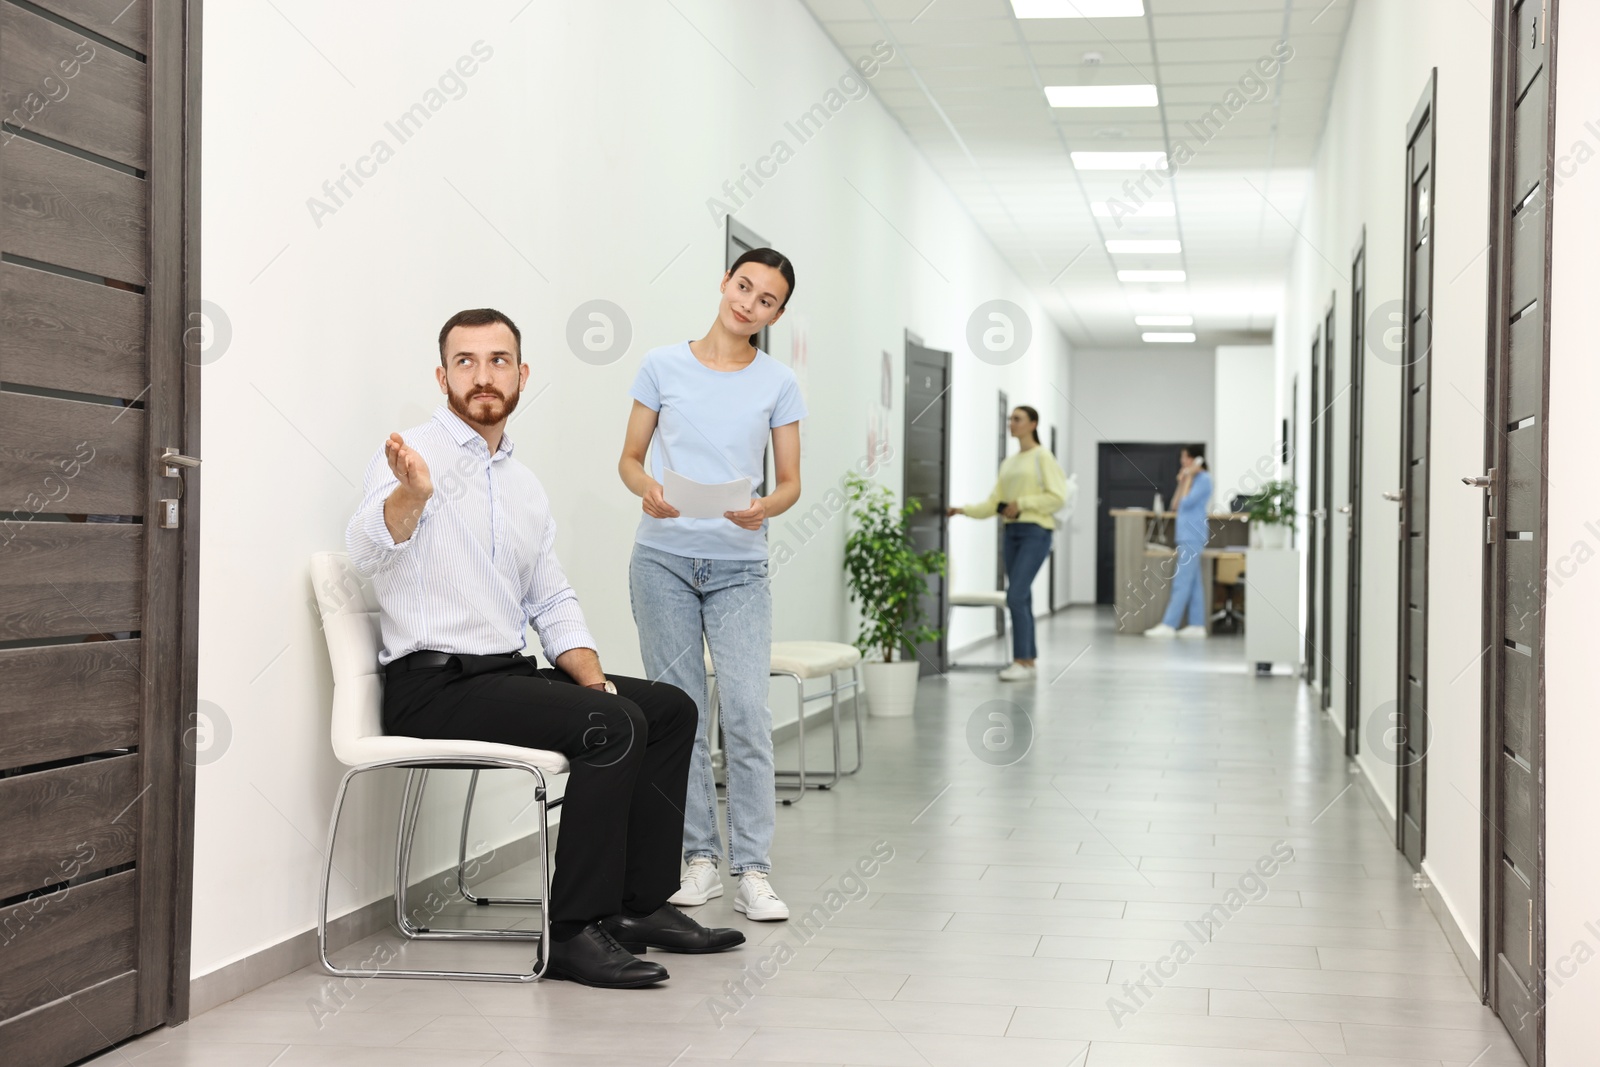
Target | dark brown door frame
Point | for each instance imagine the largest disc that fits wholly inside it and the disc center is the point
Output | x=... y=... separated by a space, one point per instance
x=999 y=527
x=1509 y=206
x=1325 y=630
x=1414 y=480
x=1313 y=658
x=1352 y=621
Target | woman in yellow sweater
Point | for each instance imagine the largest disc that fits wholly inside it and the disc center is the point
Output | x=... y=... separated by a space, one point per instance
x=1031 y=489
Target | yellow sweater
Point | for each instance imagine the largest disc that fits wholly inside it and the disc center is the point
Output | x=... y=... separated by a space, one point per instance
x=1020 y=483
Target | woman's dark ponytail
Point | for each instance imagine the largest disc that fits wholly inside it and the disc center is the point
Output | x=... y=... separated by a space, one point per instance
x=768 y=257
x=1034 y=415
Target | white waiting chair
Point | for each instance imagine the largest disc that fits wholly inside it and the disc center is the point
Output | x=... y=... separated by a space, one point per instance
x=802 y=660
x=350 y=624
x=983 y=598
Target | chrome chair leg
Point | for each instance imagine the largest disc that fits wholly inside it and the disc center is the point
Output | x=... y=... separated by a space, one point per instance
x=798 y=775
x=461 y=858
x=410 y=804
x=855 y=713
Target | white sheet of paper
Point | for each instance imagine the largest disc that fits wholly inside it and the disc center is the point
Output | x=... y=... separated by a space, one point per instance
x=697 y=500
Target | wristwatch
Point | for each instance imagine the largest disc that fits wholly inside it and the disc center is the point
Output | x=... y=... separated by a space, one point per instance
x=607 y=686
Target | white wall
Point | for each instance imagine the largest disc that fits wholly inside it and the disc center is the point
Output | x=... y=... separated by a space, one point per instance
x=1572 y=731
x=575 y=164
x=1358 y=182
x=1244 y=446
x=1155 y=395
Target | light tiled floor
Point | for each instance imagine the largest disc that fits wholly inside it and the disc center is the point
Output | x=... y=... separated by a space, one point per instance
x=1043 y=861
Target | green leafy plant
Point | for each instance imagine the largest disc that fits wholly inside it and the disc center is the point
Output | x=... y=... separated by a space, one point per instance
x=887 y=576
x=1272 y=504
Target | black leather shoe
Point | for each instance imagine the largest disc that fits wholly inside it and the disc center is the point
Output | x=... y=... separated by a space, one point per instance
x=593 y=957
x=670 y=929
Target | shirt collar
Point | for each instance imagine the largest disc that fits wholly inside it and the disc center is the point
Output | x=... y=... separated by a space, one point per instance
x=463 y=434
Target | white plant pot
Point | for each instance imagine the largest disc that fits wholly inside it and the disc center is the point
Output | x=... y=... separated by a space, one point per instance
x=1270 y=535
x=891 y=688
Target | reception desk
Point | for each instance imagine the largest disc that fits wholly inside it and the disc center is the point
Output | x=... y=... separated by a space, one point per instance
x=1146 y=560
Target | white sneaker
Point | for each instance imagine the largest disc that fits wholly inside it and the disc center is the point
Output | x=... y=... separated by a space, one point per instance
x=1161 y=629
x=1192 y=631
x=1016 y=672
x=700 y=883
x=757 y=901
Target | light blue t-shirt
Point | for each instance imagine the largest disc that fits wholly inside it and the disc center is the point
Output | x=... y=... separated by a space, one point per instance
x=1194 y=528
x=712 y=426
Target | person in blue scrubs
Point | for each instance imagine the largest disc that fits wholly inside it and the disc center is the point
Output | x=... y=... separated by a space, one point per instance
x=1191 y=501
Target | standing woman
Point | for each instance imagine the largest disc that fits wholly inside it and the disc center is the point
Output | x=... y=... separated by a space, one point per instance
x=1190 y=500
x=1031 y=489
x=710 y=407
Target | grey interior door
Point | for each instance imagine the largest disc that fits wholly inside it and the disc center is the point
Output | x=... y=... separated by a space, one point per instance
x=98 y=267
x=1515 y=539
x=741 y=239
x=1325 y=513
x=927 y=480
x=1128 y=475
x=1411 y=724
x=1312 y=662
x=1352 y=504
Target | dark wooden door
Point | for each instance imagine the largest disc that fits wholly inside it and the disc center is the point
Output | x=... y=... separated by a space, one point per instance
x=1325 y=513
x=1411 y=724
x=1312 y=661
x=98 y=265
x=927 y=474
x=1352 y=505
x=1129 y=475
x=1515 y=551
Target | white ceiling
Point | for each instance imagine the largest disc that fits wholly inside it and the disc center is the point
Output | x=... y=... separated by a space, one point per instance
x=967 y=83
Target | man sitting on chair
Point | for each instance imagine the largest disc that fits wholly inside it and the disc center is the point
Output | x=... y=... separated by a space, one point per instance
x=458 y=540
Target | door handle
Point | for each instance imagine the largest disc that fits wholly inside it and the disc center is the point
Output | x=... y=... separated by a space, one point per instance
x=1394 y=495
x=1319 y=514
x=1344 y=509
x=1481 y=481
x=172 y=460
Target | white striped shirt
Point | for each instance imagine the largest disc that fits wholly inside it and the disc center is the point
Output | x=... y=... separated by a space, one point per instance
x=481 y=564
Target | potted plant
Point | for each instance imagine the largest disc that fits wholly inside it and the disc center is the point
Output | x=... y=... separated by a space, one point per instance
x=888 y=579
x=1271 y=512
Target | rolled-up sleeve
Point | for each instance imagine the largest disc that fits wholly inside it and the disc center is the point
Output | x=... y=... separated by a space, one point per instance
x=367 y=538
x=552 y=605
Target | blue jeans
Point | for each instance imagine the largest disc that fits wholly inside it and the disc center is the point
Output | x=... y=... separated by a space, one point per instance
x=1026 y=546
x=1188 y=591
x=680 y=605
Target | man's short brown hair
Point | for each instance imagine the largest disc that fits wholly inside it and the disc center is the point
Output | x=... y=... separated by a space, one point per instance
x=478 y=317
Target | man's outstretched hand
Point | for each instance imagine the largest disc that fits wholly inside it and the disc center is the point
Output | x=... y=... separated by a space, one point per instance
x=403 y=510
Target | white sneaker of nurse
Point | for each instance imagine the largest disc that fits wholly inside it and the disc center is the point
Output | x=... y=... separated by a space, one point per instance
x=700 y=883
x=1161 y=629
x=1192 y=631
x=1016 y=672
x=757 y=900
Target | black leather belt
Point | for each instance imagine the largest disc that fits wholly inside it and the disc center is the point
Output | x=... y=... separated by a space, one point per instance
x=417 y=661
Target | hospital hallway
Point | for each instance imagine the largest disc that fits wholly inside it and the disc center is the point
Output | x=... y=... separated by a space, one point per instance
x=1035 y=872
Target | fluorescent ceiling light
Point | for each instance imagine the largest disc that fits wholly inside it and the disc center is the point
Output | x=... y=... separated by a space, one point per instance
x=1163 y=320
x=1153 y=247
x=1077 y=9
x=1169 y=338
x=1101 y=95
x=1150 y=209
x=1119 y=160
x=1150 y=276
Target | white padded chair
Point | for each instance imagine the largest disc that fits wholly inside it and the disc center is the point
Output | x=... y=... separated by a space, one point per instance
x=349 y=614
x=983 y=598
x=802 y=660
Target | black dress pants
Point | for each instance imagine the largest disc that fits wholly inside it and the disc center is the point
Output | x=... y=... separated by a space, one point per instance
x=622 y=816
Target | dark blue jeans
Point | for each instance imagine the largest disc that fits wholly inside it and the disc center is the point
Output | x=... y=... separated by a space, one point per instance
x=1027 y=546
